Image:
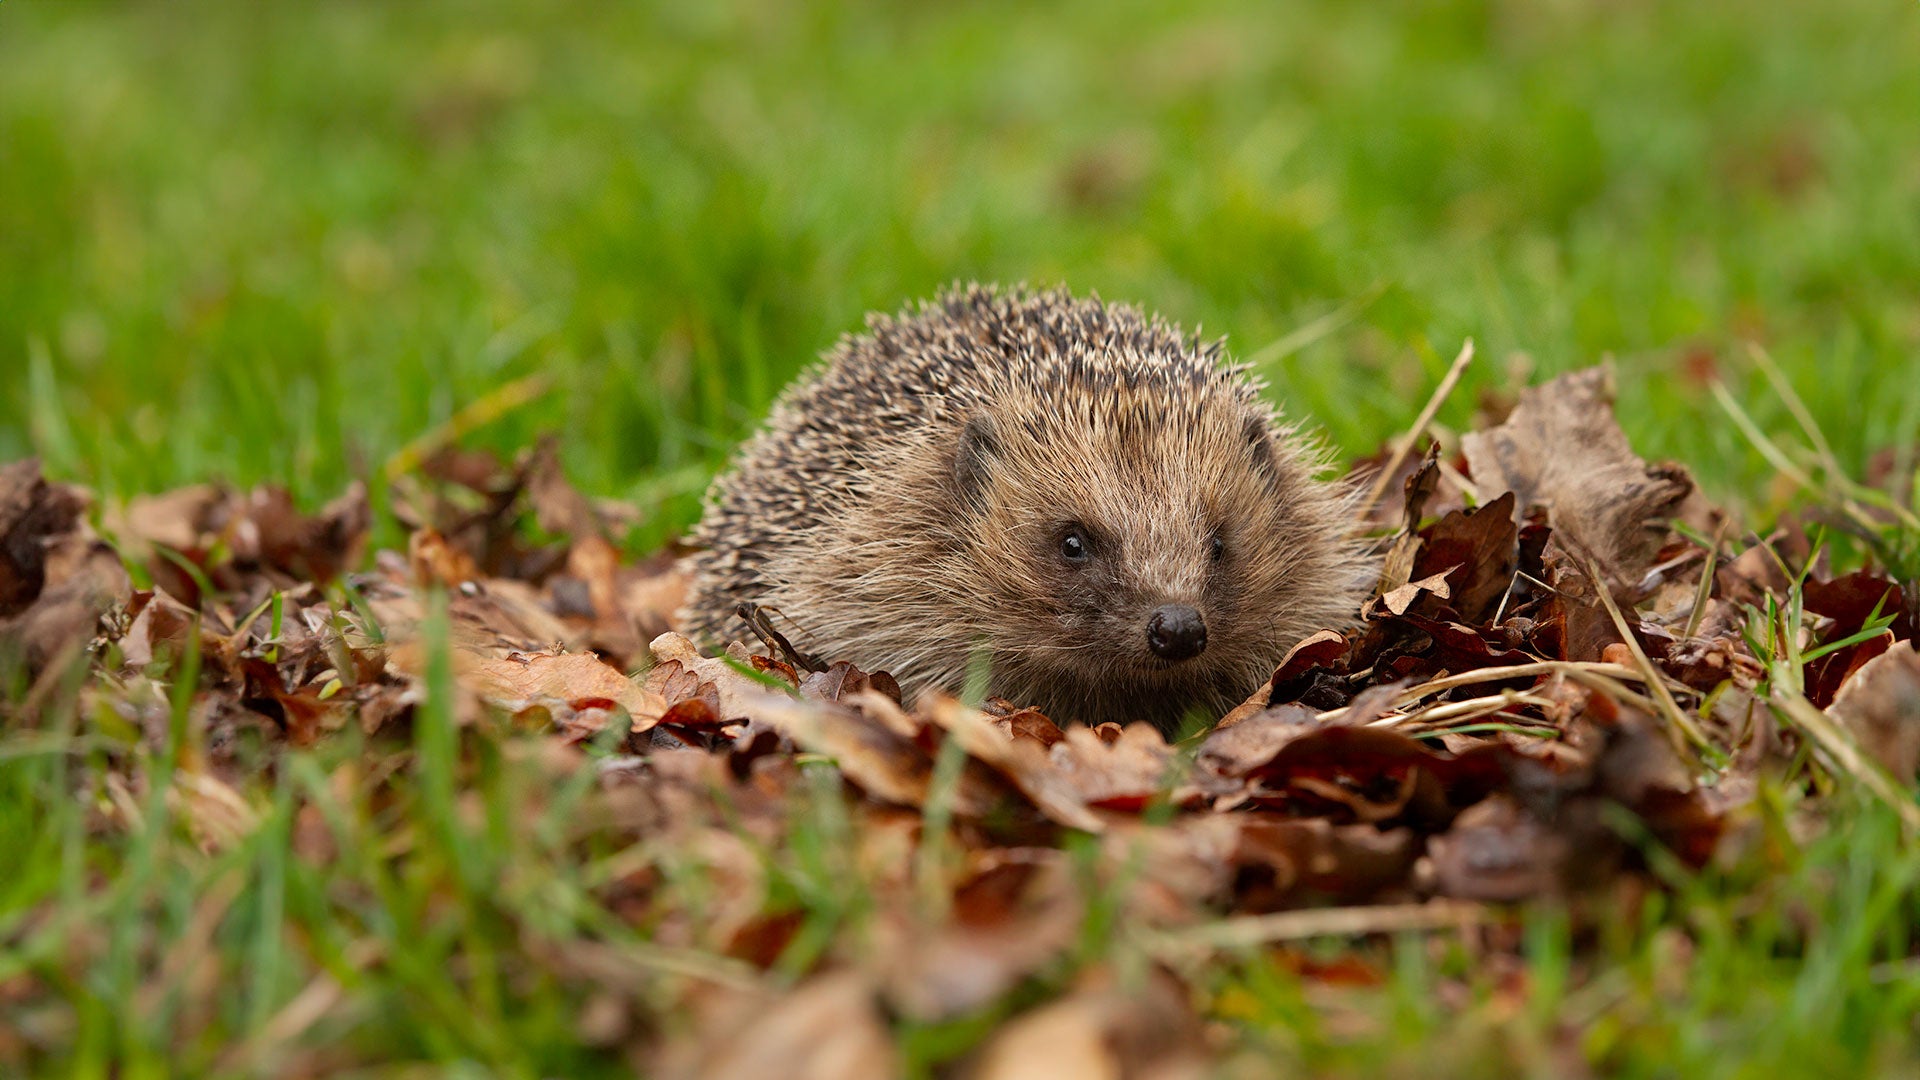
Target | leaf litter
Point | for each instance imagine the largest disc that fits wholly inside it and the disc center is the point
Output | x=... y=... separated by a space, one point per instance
x=1556 y=647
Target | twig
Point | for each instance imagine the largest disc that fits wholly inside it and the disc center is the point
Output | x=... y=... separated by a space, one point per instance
x=1472 y=708
x=1405 y=445
x=1516 y=671
x=1598 y=676
x=1249 y=931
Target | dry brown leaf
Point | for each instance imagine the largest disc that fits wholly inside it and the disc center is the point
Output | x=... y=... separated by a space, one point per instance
x=1281 y=861
x=738 y=692
x=1561 y=448
x=85 y=584
x=1402 y=598
x=650 y=595
x=1100 y=1033
x=34 y=515
x=827 y=1028
x=1347 y=772
x=56 y=581
x=1015 y=915
x=234 y=536
x=171 y=519
x=1124 y=774
x=1497 y=852
x=870 y=754
x=511 y=682
x=557 y=506
x=435 y=561
x=1880 y=705
x=1022 y=762
x=1477 y=551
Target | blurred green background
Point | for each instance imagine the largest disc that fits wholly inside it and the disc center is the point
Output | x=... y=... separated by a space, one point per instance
x=275 y=242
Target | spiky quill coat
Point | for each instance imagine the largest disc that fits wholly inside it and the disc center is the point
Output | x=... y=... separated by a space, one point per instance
x=906 y=504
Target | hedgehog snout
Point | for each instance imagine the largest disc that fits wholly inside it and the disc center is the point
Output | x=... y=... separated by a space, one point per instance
x=1176 y=632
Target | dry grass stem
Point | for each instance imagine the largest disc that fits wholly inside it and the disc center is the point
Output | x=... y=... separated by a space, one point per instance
x=1252 y=931
x=1404 y=445
x=1682 y=724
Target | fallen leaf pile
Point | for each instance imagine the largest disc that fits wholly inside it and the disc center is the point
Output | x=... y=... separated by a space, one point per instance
x=1564 y=638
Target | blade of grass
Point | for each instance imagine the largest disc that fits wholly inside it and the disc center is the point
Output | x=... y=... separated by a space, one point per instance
x=1705 y=592
x=476 y=414
x=1299 y=338
x=1796 y=407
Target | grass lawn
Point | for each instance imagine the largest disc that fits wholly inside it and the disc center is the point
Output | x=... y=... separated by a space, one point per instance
x=275 y=243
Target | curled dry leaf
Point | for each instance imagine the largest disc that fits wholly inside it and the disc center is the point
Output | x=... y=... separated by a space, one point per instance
x=842 y=678
x=57 y=583
x=1850 y=599
x=557 y=505
x=1312 y=674
x=1125 y=773
x=1562 y=448
x=1372 y=775
x=435 y=561
x=1496 y=851
x=1848 y=602
x=1031 y=724
x=85 y=585
x=1281 y=862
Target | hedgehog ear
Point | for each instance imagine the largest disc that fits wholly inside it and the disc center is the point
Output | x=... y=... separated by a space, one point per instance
x=972 y=458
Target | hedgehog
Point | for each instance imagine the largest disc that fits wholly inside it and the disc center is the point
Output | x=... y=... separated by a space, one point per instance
x=1098 y=513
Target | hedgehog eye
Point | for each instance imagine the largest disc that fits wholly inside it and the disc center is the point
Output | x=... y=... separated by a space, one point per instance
x=1216 y=548
x=1073 y=547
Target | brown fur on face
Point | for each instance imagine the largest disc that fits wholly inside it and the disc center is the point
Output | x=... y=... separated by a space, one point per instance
x=906 y=509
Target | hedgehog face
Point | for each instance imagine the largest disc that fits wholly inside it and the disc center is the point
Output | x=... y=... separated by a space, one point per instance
x=1101 y=505
x=1139 y=551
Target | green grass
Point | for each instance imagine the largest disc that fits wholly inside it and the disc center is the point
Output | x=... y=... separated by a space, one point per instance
x=275 y=242
x=275 y=246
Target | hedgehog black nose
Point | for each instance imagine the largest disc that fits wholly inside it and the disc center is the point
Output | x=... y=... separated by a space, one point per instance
x=1176 y=632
